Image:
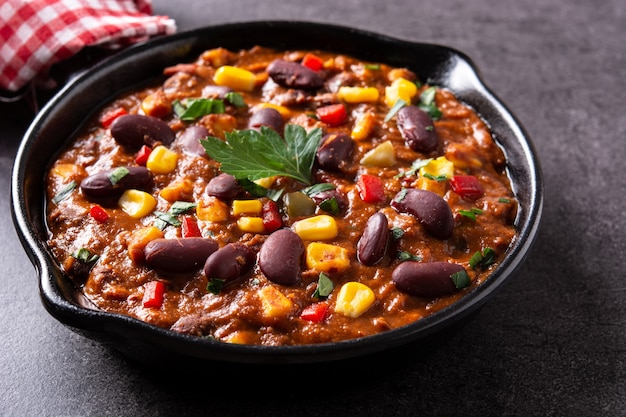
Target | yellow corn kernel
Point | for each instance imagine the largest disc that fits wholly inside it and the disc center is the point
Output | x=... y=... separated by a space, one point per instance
x=162 y=160
x=241 y=337
x=140 y=239
x=217 y=56
x=323 y=257
x=363 y=126
x=357 y=94
x=235 y=78
x=382 y=155
x=266 y=182
x=284 y=111
x=251 y=224
x=354 y=299
x=137 y=203
x=321 y=227
x=68 y=171
x=180 y=191
x=247 y=207
x=274 y=305
x=437 y=187
x=400 y=89
x=440 y=168
x=156 y=104
x=212 y=209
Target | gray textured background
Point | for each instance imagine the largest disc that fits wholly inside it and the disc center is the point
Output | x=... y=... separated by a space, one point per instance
x=551 y=343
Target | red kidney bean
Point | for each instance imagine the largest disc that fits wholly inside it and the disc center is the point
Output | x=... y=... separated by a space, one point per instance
x=335 y=151
x=294 y=75
x=428 y=279
x=430 y=209
x=190 y=140
x=280 y=257
x=230 y=262
x=179 y=254
x=134 y=130
x=417 y=129
x=269 y=117
x=224 y=187
x=373 y=243
x=99 y=186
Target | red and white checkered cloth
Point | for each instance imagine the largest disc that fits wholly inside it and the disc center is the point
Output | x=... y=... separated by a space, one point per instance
x=35 y=34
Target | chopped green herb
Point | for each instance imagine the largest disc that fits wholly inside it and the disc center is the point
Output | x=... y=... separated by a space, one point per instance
x=400 y=196
x=407 y=256
x=215 y=285
x=372 y=66
x=504 y=200
x=415 y=166
x=483 y=259
x=252 y=187
x=117 y=174
x=235 y=99
x=460 y=279
x=395 y=109
x=274 y=195
x=84 y=255
x=330 y=205
x=471 y=214
x=64 y=192
x=164 y=219
x=427 y=103
x=180 y=207
x=396 y=233
x=318 y=188
x=324 y=286
x=438 y=178
x=254 y=155
x=190 y=109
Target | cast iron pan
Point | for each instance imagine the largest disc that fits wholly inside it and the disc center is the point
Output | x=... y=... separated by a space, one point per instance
x=63 y=116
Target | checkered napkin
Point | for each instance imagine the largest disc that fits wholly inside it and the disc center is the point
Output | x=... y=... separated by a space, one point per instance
x=35 y=34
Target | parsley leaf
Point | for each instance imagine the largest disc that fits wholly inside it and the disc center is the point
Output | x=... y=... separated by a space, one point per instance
x=254 y=155
x=64 y=192
x=324 y=286
x=193 y=108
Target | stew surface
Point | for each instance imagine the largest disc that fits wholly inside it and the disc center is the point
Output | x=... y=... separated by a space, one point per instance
x=280 y=198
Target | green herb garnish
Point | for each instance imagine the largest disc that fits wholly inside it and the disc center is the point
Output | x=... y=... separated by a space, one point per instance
x=396 y=233
x=330 y=205
x=407 y=256
x=85 y=255
x=117 y=174
x=438 y=178
x=235 y=99
x=471 y=214
x=460 y=279
x=483 y=259
x=163 y=219
x=372 y=66
x=190 y=109
x=318 y=188
x=395 y=109
x=324 y=286
x=215 y=285
x=427 y=103
x=180 y=207
x=254 y=155
x=64 y=192
x=504 y=200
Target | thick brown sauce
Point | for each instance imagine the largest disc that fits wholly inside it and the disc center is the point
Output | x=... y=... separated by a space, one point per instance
x=116 y=283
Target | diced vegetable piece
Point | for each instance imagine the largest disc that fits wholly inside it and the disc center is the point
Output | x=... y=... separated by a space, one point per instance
x=98 y=214
x=363 y=126
x=235 y=78
x=156 y=104
x=467 y=186
x=161 y=160
x=251 y=224
x=241 y=337
x=247 y=207
x=323 y=257
x=137 y=203
x=400 y=89
x=333 y=114
x=68 y=171
x=189 y=227
x=274 y=304
x=140 y=239
x=110 y=116
x=141 y=157
x=382 y=155
x=212 y=209
x=272 y=219
x=437 y=187
x=321 y=227
x=298 y=204
x=371 y=188
x=312 y=61
x=357 y=94
x=153 y=294
x=178 y=191
x=354 y=299
x=316 y=312
x=438 y=169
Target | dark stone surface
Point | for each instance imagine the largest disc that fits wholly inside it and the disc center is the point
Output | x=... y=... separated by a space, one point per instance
x=551 y=343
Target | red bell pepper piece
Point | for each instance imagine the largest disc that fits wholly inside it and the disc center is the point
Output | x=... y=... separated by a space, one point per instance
x=316 y=312
x=189 y=227
x=153 y=294
x=313 y=61
x=141 y=158
x=467 y=186
x=371 y=188
x=271 y=216
x=333 y=114
x=110 y=116
x=98 y=214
